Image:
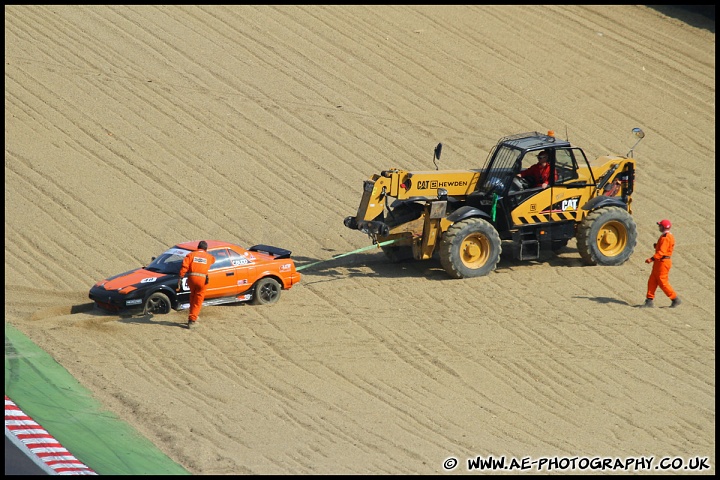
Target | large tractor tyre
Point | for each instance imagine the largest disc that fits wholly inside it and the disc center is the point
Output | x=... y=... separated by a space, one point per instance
x=470 y=248
x=402 y=214
x=607 y=236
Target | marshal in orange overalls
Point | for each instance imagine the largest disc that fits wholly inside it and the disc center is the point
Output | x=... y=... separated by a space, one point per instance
x=662 y=263
x=195 y=266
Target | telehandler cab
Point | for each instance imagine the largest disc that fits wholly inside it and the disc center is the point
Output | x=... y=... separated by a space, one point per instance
x=465 y=216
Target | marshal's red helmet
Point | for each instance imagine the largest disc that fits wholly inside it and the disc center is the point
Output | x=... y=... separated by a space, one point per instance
x=665 y=224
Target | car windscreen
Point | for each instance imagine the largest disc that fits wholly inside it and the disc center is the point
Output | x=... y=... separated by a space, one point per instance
x=169 y=261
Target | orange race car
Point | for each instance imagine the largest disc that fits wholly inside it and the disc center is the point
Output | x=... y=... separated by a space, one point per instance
x=257 y=274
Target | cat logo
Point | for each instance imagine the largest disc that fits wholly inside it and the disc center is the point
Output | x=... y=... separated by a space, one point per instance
x=570 y=204
x=434 y=184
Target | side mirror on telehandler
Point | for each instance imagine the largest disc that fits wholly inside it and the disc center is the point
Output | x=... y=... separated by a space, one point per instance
x=436 y=155
x=640 y=135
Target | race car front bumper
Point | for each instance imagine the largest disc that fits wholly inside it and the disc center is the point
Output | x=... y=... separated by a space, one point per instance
x=115 y=302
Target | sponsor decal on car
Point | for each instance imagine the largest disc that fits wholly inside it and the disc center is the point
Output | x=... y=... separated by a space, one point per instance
x=285 y=267
x=240 y=261
x=148 y=280
x=242 y=282
x=136 y=301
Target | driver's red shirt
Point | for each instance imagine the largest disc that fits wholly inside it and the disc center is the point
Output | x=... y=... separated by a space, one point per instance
x=537 y=174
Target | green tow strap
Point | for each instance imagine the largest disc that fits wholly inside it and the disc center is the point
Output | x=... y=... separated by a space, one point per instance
x=494 y=205
x=377 y=245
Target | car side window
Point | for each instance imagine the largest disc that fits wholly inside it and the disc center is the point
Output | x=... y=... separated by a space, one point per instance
x=222 y=259
x=238 y=260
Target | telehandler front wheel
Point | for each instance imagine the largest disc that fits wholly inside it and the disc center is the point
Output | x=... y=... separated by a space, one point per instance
x=470 y=248
x=607 y=236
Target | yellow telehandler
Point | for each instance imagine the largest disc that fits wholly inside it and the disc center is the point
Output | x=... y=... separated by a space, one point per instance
x=465 y=216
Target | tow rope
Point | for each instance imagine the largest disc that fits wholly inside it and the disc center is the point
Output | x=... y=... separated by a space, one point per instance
x=377 y=245
x=494 y=205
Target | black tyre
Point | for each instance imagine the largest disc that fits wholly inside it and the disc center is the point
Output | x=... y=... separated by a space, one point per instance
x=267 y=291
x=402 y=214
x=607 y=236
x=470 y=248
x=157 y=304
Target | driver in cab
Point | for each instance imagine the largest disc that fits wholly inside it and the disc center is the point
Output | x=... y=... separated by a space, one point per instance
x=538 y=175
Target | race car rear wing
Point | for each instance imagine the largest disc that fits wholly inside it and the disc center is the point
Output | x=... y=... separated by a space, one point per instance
x=276 y=252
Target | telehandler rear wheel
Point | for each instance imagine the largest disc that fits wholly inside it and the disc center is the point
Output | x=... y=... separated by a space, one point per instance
x=607 y=236
x=470 y=248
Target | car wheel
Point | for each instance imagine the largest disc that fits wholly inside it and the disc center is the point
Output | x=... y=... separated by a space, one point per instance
x=267 y=291
x=157 y=303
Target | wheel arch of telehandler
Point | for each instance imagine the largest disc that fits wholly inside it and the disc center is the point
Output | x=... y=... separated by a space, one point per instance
x=467 y=212
x=603 y=201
